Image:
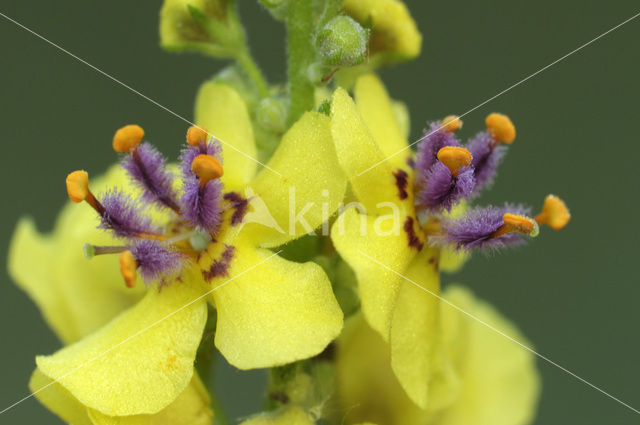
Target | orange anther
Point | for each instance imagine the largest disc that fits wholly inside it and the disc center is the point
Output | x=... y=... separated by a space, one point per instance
x=78 y=185
x=515 y=223
x=501 y=128
x=554 y=213
x=451 y=123
x=196 y=135
x=128 y=266
x=127 y=138
x=207 y=168
x=454 y=158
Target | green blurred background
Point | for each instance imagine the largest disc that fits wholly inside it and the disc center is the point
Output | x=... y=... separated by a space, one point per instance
x=574 y=294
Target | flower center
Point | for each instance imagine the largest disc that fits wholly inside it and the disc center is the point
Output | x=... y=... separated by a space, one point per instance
x=194 y=214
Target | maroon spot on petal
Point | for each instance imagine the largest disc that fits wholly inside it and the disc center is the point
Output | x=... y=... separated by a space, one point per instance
x=414 y=240
x=220 y=266
x=401 y=183
x=239 y=203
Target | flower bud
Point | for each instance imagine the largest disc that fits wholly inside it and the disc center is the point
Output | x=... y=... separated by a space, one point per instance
x=394 y=34
x=272 y=114
x=342 y=42
x=189 y=24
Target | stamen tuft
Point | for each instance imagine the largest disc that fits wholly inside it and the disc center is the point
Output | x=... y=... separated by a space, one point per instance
x=127 y=138
x=451 y=123
x=128 y=266
x=207 y=168
x=501 y=128
x=454 y=158
x=78 y=186
x=197 y=135
x=554 y=213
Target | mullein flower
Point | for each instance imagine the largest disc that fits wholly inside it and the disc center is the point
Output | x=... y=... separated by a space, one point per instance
x=496 y=380
x=274 y=312
x=428 y=194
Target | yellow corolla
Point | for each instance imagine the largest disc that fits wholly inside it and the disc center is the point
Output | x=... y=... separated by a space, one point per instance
x=270 y=311
x=393 y=31
x=498 y=381
x=373 y=152
x=75 y=296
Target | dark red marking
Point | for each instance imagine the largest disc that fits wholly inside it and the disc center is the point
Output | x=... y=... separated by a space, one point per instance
x=414 y=240
x=402 y=179
x=240 y=204
x=220 y=267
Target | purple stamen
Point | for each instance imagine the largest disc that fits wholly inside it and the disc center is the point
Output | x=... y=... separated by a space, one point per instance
x=189 y=153
x=441 y=190
x=155 y=261
x=147 y=168
x=201 y=205
x=434 y=139
x=486 y=158
x=476 y=228
x=124 y=216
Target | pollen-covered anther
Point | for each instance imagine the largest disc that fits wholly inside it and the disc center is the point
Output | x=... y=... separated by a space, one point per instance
x=78 y=190
x=196 y=135
x=207 y=168
x=554 y=213
x=127 y=138
x=78 y=185
x=451 y=123
x=128 y=266
x=501 y=128
x=454 y=158
x=515 y=223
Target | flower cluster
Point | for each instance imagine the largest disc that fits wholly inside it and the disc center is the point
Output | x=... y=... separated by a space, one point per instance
x=359 y=320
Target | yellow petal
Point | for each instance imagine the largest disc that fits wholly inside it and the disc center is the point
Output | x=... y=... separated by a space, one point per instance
x=416 y=345
x=223 y=113
x=57 y=399
x=376 y=109
x=290 y=416
x=310 y=187
x=368 y=390
x=357 y=152
x=451 y=259
x=139 y=362
x=190 y=408
x=354 y=235
x=274 y=313
x=500 y=383
x=76 y=296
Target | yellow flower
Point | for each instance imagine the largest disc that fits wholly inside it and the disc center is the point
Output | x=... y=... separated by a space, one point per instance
x=366 y=133
x=498 y=382
x=271 y=312
x=75 y=296
x=393 y=31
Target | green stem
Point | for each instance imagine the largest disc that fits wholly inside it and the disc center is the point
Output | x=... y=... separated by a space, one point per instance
x=245 y=60
x=301 y=54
